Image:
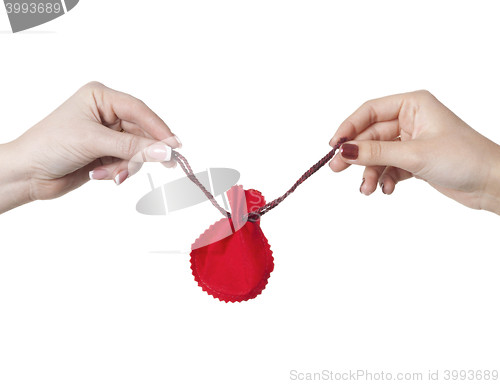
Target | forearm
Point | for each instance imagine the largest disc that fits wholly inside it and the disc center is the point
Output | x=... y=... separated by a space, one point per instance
x=14 y=179
x=491 y=196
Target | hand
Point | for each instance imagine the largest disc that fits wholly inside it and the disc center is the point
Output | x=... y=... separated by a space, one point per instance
x=98 y=133
x=413 y=134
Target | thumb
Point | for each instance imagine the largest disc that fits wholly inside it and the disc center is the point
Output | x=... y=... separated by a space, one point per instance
x=128 y=146
x=385 y=153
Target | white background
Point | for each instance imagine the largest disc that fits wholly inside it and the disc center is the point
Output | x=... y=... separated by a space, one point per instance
x=407 y=282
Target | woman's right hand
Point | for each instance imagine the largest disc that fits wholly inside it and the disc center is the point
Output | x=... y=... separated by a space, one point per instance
x=413 y=134
x=98 y=133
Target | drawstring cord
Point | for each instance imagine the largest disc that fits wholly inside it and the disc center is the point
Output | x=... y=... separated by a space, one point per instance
x=255 y=215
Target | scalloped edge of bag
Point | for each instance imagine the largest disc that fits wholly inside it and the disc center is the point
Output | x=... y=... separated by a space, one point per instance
x=259 y=288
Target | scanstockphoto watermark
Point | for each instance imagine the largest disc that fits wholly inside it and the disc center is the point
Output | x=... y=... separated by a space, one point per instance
x=182 y=194
x=354 y=375
x=26 y=14
x=364 y=375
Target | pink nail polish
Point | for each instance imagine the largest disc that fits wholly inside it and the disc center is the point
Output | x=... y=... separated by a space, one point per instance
x=121 y=177
x=98 y=174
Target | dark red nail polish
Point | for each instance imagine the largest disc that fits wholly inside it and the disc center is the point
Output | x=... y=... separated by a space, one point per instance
x=349 y=151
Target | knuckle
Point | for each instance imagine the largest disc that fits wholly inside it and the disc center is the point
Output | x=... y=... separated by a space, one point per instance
x=135 y=105
x=349 y=127
x=139 y=101
x=375 y=150
x=372 y=134
x=139 y=105
x=93 y=89
x=128 y=145
x=93 y=85
x=424 y=94
x=370 y=110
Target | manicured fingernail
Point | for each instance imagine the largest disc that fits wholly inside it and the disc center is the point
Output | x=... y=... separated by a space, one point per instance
x=382 y=188
x=361 y=186
x=173 y=141
x=121 y=177
x=179 y=141
x=159 y=151
x=349 y=151
x=98 y=174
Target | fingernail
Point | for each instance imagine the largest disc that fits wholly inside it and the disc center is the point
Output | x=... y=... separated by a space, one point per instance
x=361 y=186
x=159 y=151
x=121 y=177
x=382 y=188
x=173 y=141
x=179 y=141
x=98 y=174
x=349 y=151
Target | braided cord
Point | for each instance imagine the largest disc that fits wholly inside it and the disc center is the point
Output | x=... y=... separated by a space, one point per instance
x=181 y=160
x=255 y=215
x=266 y=208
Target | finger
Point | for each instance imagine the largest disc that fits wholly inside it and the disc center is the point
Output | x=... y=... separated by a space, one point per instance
x=370 y=179
x=169 y=164
x=113 y=105
x=390 y=177
x=383 y=131
x=386 y=130
x=126 y=126
x=106 y=142
x=106 y=172
x=107 y=160
x=406 y=155
x=124 y=170
x=373 y=111
x=337 y=164
x=134 y=129
x=130 y=128
x=118 y=171
x=71 y=181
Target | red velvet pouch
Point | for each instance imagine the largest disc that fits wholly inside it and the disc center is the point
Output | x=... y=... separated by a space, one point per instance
x=232 y=259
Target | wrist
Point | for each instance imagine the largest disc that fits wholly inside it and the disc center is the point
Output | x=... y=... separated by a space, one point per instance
x=14 y=178
x=491 y=195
